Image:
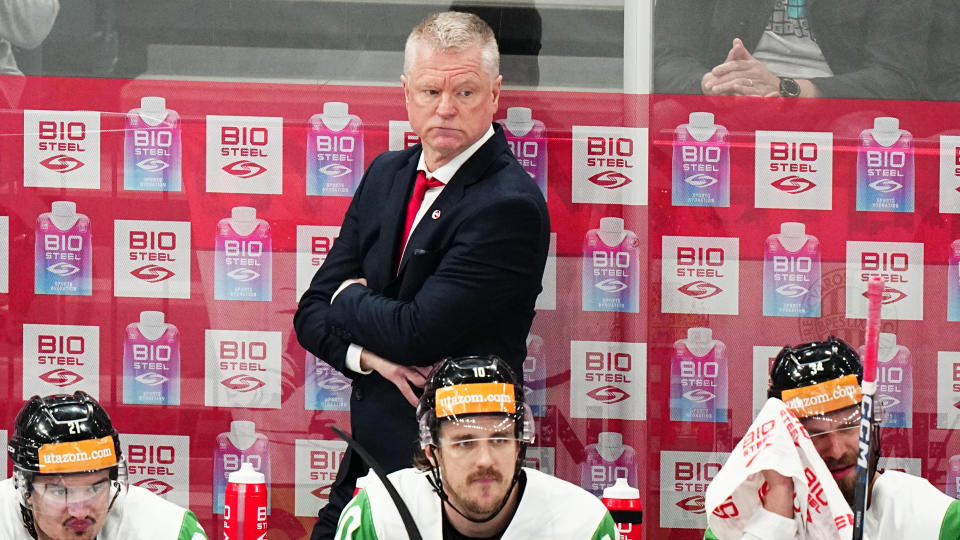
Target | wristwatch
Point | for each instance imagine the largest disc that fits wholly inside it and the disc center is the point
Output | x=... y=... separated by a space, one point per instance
x=789 y=87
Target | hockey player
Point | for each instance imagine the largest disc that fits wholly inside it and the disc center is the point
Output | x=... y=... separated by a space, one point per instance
x=828 y=375
x=468 y=481
x=70 y=480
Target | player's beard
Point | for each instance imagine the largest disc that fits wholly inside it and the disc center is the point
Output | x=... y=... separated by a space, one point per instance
x=473 y=506
x=848 y=483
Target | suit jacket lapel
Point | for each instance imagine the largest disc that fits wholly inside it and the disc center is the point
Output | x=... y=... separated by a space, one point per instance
x=471 y=172
x=394 y=212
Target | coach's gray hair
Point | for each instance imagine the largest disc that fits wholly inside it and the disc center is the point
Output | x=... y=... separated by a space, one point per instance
x=453 y=31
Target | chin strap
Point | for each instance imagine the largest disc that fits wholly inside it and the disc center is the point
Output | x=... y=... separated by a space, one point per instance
x=27 y=515
x=437 y=484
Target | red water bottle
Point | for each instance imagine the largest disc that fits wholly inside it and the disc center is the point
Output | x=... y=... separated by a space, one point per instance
x=625 y=508
x=245 y=505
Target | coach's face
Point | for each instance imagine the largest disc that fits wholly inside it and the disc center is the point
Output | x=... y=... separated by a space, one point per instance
x=451 y=99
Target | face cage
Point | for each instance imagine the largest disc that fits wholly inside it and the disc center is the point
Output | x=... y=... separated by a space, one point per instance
x=23 y=482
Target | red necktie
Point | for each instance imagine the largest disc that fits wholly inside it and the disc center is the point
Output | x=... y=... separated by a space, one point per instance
x=416 y=200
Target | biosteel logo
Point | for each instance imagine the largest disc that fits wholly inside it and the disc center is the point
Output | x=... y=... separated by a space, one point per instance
x=891 y=267
x=151 y=379
x=61 y=136
x=701 y=180
x=610 y=285
x=243 y=274
x=608 y=394
x=608 y=367
x=788 y=156
x=59 y=349
x=244 y=169
x=792 y=290
x=333 y=384
x=244 y=142
x=694 y=503
x=885 y=185
x=610 y=179
x=793 y=184
x=700 y=262
x=152 y=246
x=243 y=383
x=60 y=377
x=335 y=170
x=152 y=165
x=698 y=395
x=158 y=487
x=700 y=289
x=609 y=152
x=152 y=273
x=693 y=476
x=62 y=163
x=63 y=269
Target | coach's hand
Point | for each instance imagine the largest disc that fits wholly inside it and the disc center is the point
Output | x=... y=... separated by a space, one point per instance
x=401 y=376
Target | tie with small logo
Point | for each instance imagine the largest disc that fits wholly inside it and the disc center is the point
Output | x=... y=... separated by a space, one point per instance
x=419 y=190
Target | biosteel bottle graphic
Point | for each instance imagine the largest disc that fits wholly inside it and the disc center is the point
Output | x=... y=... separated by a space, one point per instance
x=151 y=361
x=611 y=268
x=885 y=175
x=242 y=444
x=242 y=267
x=528 y=141
x=701 y=163
x=151 y=154
x=698 y=378
x=953 y=477
x=894 y=397
x=953 y=282
x=535 y=375
x=63 y=261
x=326 y=389
x=606 y=461
x=334 y=151
x=791 y=273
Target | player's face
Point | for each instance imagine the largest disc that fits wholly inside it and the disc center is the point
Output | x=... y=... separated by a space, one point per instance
x=836 y=436
x=70 y=507
x=477 y=463
x=451 y=100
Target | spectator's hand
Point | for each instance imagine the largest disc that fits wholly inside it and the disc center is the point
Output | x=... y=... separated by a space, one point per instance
x=778 y=494
x=401 y=376
x=740 y=75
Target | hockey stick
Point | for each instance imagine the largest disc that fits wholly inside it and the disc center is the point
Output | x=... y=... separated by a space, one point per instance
x=871 y=346
x=412 y=531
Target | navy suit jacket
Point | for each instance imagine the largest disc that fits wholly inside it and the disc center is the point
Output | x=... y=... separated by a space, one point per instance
x=467 y=284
